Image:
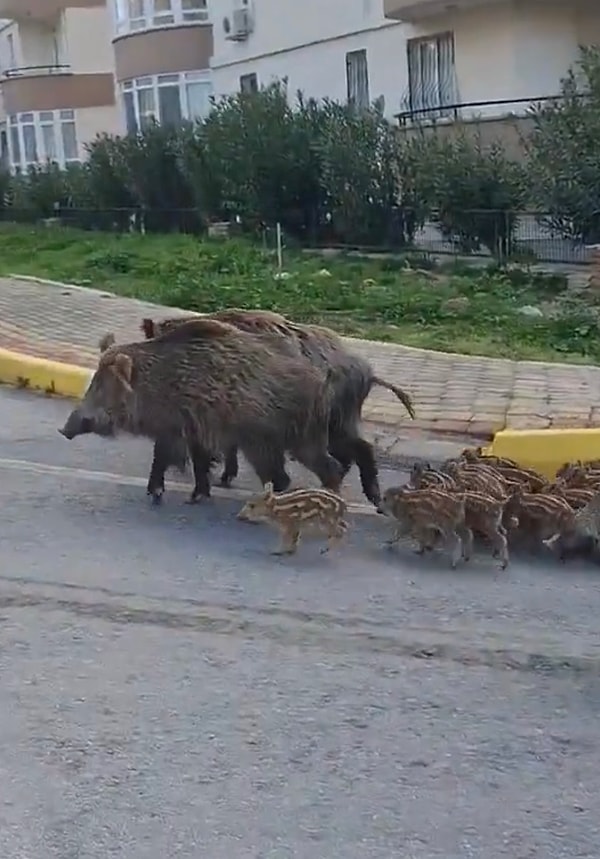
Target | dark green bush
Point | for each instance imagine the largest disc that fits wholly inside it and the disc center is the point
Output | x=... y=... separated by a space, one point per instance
x=564 y=152
x=326 y=172
x=474 y=194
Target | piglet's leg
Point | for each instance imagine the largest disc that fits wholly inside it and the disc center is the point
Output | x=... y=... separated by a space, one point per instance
x=290 y=537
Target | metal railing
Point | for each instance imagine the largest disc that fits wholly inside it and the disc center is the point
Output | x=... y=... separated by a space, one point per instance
x=37 y=71
x=429 y=113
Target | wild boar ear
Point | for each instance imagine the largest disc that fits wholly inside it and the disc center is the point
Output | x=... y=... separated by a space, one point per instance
x=123 y=368
x=107 y=341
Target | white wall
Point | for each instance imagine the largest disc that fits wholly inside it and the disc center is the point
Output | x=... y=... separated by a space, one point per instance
x=511 y=50
x=515 y=49
x=307 y=42
x=284 y=24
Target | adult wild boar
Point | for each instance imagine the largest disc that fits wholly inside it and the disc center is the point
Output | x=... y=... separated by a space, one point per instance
x=229 y=385
x=351 y=379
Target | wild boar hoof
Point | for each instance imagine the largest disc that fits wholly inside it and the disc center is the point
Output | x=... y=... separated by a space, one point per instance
x=226 y=481
x=196 y=497
x=157 y=497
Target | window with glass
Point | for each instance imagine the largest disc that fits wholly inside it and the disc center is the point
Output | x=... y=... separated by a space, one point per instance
x=357 y=79
x=168 y=99
x=132 y=15
x=432 y=74
x=249 y=83
x=42 y=136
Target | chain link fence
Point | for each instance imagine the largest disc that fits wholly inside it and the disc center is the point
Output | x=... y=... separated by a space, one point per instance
x=524 y=237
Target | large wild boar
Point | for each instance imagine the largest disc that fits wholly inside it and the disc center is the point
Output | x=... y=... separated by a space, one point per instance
x=351 y=379
x=234 y=388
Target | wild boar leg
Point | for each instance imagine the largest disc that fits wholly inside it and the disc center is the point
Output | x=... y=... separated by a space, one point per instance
x=290 y=537
x=339 y=447
x=466 y=538
x=321 y=463
x=426 y=539
x=336 y=534
x=268 y=461
x=160 y=463
x=231 y=469
x=455 y=544
x=399 y=531
x=364 y=456
x=201 y=458
x=201 y=463
x=167 y=452
x=500 y=544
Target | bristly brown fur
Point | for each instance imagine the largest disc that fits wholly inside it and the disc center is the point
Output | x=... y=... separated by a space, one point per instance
x=540 y=514
x=234 y=386
x=426 y=513
x=350 y=380
x=294 y=513
x=203 y=327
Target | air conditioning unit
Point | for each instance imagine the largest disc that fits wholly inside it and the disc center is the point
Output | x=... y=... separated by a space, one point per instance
x=239 y=26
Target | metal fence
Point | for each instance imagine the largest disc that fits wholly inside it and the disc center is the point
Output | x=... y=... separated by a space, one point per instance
x=484 y=234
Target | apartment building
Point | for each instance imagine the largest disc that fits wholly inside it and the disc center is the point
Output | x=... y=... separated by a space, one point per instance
x=426 y=59
x=57 y=84
x=162 y=51
x=71 y=69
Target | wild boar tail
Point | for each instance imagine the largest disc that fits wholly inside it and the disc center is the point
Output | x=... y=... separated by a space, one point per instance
x=404 y=398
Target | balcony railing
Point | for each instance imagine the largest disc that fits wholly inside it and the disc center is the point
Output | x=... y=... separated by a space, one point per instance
x=429 y=113
x=37 y=71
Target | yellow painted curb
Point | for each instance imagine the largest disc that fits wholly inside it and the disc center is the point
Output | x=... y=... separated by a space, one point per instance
x=546 y=450
x=39 y=374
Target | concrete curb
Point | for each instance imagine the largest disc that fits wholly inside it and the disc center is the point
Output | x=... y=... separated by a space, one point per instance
x=547 y=450
x=40 y=374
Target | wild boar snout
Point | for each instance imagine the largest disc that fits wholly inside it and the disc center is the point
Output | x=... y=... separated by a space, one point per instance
x=75 y=425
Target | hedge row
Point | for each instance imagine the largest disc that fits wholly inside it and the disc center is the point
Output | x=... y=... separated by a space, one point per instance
x=328 y=173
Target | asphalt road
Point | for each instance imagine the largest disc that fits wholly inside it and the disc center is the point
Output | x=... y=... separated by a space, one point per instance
x=169 y=689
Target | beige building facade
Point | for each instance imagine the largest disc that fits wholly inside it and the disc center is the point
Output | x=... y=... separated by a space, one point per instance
x=73 y=69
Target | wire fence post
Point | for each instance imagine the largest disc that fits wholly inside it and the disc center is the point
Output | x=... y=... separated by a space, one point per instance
x=279 y=248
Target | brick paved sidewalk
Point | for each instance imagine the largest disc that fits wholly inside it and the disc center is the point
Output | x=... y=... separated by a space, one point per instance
x=453 y=394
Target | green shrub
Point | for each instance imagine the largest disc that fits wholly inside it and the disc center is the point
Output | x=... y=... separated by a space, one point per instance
x=564 y=152
x=323 y=170
x=474 y=193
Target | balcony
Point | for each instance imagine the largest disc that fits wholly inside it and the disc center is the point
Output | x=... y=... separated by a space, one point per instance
x=413 y=11
x=54 y=87
x=36 y=71
x=153 y=14
x=41 y=10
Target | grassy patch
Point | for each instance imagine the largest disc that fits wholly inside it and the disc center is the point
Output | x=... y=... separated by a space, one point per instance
x=451 y=309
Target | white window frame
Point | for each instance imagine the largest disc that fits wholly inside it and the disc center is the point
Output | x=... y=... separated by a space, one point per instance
x=154 y=83
x=153 y=17
x=38 y=120
x=432 y=88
